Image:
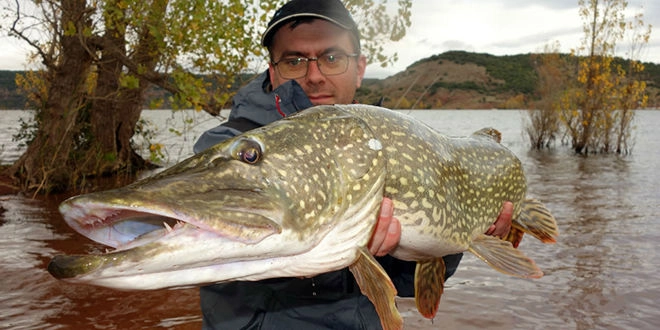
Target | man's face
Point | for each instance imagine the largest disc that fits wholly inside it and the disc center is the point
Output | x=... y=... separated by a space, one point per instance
x=311 y=40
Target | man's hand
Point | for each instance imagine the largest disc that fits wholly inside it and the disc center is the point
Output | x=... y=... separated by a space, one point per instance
x=502 y=225
x=387 y=234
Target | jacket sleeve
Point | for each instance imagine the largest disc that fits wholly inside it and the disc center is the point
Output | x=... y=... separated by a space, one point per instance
x=255 y=106
x=214 y=136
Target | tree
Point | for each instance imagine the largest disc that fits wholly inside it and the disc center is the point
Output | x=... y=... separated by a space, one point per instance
x=99 y=57
x=542 y=126
x=595 y=111
x=631 y=88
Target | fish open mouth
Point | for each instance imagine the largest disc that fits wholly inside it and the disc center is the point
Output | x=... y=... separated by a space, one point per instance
x=120 y=228
x=125 y=226
x=123 y=231
x=135 y=228
x=138 y=228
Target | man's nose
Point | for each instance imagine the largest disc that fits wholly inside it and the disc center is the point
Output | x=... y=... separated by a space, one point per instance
x=314 y=72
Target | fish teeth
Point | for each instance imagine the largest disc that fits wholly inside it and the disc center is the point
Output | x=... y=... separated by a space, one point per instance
x=167 y=227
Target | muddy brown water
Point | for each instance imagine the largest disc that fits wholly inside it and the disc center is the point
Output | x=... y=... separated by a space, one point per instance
x=602 y=274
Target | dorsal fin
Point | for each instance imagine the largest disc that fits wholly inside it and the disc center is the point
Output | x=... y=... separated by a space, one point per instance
x=489 y=132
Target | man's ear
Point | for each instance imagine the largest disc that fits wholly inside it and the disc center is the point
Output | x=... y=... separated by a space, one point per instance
x=271 y=73
x=362 y=66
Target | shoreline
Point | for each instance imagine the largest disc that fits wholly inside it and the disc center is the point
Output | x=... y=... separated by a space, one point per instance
x=7 y=186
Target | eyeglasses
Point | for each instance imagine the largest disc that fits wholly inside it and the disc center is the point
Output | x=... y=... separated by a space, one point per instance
x=329 y=65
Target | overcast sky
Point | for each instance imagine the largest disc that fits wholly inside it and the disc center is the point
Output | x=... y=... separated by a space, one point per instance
x=499 y=27
x=502 y=27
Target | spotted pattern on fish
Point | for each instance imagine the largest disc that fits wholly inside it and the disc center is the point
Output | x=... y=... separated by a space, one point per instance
x=442 y=187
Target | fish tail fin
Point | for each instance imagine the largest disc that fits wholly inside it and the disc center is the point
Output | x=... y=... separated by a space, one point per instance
x=502 y=256
x=536 y=220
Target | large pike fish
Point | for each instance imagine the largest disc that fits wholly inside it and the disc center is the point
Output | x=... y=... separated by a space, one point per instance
x=301 y=197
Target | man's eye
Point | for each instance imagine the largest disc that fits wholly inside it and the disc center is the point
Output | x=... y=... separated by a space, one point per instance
x=331 y=58
x=293 y=61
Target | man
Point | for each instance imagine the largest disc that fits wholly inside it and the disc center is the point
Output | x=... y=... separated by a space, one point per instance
x=315 y=58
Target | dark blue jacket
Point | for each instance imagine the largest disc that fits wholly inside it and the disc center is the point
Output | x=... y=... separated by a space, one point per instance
x=327 y=301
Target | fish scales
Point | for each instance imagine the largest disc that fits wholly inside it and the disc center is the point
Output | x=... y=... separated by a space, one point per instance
x=467 y=180
x=299 y=176
x=300 y=197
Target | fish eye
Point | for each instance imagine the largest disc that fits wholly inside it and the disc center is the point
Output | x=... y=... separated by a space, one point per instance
x=249 y=152
x=250 y=155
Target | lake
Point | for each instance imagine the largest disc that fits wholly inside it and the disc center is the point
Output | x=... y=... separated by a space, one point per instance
x=602 y=274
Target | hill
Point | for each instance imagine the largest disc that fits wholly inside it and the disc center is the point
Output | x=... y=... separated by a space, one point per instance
x=464 y=80
x=9 y=96
x=451 y=80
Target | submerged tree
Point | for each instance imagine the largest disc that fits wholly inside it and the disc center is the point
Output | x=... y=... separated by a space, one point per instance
x=631 y=86
x=543 y=123
x=99 y=58
x=596 y=111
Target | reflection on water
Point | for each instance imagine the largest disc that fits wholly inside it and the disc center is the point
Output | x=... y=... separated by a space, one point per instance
x=596 y=216
x=31 y=232
x=26 y=285
x=602 y=274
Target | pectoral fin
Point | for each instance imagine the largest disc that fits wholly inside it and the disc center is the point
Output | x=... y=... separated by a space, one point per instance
x=377 y=286
x=429 y=285
x=502 y=256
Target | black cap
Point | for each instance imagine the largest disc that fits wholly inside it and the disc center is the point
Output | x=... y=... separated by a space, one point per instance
x=329 y=10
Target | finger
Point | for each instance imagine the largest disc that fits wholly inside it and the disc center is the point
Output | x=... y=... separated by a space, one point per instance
x=391 y=239
x=503 y=222
x=382 y=226
x=491 y=230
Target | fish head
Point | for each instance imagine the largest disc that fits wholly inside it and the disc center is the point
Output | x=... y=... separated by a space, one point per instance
x=293 y=198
